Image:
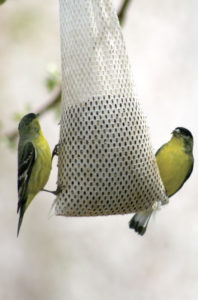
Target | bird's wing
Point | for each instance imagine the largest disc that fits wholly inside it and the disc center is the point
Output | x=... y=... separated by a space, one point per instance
x=26 y=160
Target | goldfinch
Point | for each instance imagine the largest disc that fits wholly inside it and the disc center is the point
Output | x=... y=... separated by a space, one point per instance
x=175 y=161
x=34 y=162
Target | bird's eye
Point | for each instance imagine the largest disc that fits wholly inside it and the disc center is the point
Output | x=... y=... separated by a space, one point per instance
x=177 y=130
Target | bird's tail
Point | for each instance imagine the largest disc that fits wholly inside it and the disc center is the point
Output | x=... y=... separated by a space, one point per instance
x=22 y=206
x=21 y=214
x=139 y=221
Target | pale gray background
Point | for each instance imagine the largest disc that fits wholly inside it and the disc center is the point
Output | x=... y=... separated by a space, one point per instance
x=100 y=258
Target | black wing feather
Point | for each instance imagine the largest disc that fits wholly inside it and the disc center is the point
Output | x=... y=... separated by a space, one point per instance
x=27 y=155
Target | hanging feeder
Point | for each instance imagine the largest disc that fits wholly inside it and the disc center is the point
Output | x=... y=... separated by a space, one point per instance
x=106 y=163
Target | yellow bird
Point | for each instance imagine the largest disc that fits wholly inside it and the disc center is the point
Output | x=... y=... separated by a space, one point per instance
x=175 y=161
x=34 y=162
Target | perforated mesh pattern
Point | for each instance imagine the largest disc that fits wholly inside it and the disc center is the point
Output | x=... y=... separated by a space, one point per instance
x=106 y=163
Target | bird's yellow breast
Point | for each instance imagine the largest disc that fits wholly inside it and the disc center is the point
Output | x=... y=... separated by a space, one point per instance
x=174 y=165
x=41 y=169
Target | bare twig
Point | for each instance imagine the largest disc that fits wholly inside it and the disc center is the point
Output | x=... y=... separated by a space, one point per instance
x=123 y=10
x=49 y=104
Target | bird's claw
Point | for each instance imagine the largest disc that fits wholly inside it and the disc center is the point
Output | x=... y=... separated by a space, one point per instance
x=56 y=192
x=55 y=151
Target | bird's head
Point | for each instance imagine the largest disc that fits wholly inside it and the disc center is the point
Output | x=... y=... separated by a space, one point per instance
x=185 y=135
x=29 y=124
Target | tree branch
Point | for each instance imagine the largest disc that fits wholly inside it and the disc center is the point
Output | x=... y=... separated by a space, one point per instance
x=49 y=104
x=123 y=10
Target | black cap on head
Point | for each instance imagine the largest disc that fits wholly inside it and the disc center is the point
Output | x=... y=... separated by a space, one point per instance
x=27 y=119
x=183 y=131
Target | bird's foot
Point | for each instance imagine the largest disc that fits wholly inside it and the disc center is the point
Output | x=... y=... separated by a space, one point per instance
x=56 y=192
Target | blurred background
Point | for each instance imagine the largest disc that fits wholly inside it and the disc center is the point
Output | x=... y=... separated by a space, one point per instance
x=99 y=258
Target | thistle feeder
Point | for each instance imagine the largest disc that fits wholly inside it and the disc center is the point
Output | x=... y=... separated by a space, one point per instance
x=106 y=163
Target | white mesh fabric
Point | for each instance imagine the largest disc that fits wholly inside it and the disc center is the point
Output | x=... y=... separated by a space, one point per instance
x=106 y=163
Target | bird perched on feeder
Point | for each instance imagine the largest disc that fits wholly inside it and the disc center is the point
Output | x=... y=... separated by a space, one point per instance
x=34 y=162
x=175 y=162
